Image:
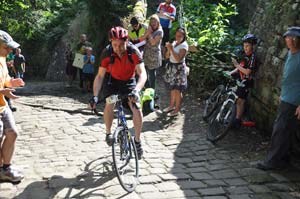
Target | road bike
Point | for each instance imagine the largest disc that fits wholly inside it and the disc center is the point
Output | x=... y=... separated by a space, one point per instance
x=220 y=109
x=124 y=153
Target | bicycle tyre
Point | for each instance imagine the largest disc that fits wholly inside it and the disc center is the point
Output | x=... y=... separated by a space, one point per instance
x=212 y=102
x=123 y=144
x=219 y=128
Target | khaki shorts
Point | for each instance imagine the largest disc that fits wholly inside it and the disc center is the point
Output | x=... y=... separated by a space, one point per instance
x=7 y=122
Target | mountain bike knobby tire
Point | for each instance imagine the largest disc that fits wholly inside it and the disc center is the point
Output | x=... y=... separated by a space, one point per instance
x=219 y=128
x=125 y=159
x=212 y=102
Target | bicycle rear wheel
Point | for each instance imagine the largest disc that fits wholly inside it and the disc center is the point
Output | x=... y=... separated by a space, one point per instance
x=212 y=102
x=221 y=121
x=125 y=159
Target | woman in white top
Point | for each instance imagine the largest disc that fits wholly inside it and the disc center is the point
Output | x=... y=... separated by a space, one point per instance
x=177 y=71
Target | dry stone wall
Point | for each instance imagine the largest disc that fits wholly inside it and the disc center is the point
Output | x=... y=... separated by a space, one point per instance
x=270 y=20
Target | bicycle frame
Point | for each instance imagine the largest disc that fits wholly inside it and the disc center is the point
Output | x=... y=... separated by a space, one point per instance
x=231 y=97
x=122 y=122
x=124 y=150
x=224 y=113
x=121 y=116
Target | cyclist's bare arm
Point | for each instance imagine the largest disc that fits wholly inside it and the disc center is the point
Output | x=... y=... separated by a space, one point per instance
x=245 y=71
x=233 y=71
x=141 y=72
x=98 y=81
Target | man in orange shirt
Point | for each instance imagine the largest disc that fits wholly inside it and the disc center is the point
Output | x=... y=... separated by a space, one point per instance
x=8 y=130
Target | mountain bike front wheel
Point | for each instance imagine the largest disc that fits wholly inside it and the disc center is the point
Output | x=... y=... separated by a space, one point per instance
x=221 y=121
x=125 y=159
x=212 y=102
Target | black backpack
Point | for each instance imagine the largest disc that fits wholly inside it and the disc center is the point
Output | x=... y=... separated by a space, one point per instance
x=129 y=52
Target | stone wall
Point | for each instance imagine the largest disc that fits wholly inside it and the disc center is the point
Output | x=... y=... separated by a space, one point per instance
x=269 y=22
x=82 y=24
x=57 y=66
x=246 y=9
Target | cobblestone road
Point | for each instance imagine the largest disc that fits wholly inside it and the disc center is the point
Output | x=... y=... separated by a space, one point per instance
x=62 y=152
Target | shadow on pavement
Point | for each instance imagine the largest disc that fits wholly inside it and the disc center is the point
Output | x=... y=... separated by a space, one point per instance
x=224 y=170
x=97 y=173
x=44 y=94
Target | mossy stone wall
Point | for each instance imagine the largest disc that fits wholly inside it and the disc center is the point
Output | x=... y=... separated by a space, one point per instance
x=269 y=22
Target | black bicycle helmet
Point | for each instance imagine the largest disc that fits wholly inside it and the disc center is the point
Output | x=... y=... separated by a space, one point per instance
x=250 y=38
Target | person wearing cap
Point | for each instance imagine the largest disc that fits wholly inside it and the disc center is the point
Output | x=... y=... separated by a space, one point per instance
x=288 y=114
x=8 y=132
x=135 y=33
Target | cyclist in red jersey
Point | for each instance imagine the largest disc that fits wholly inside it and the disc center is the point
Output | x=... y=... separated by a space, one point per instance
x=120 y=62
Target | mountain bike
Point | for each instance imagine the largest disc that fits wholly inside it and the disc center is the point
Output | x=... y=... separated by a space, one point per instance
x=220 y=109
x=212 y=101
x=124 y=153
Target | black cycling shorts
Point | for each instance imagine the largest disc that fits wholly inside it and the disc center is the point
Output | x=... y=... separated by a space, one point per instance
x=113 y=86
x=242 y=92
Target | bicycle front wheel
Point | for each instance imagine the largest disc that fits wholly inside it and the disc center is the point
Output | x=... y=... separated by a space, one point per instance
x=221 y=121
x=125 y=159
x=212 y=102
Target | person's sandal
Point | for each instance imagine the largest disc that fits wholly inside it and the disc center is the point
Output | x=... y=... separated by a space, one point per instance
x=172 y=114
x=168 y=109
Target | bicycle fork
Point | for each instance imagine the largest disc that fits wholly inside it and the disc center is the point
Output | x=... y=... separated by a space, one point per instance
x=222 y=108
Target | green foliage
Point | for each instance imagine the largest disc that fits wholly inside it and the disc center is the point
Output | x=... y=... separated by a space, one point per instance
x=37 y=26
x=30 y=21
x=208 y=28
x=102 y=16
x=208 y=24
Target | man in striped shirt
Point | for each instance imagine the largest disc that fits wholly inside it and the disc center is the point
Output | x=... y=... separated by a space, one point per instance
x=167 y=13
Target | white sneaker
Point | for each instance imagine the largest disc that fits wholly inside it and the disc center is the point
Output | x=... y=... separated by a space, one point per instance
x=10 y=175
